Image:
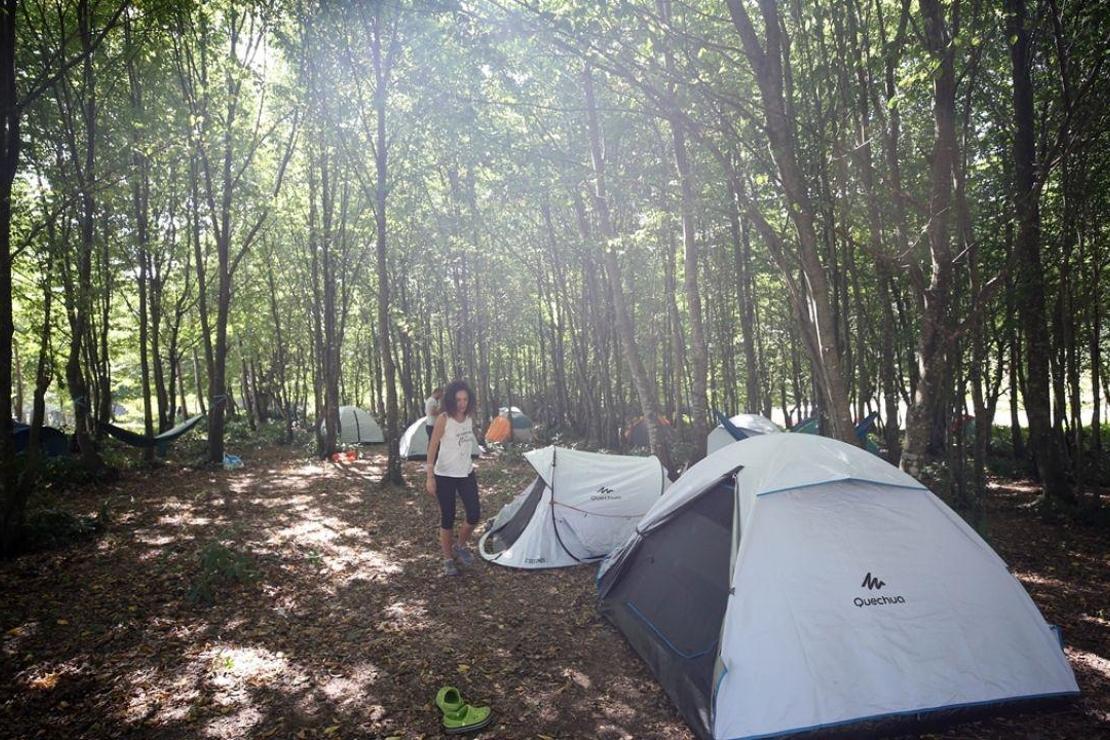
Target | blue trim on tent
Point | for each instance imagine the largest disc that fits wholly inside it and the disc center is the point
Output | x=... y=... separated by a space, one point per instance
x=918 y=487
x=717 y=690
x=671 y=645
x=908 y=712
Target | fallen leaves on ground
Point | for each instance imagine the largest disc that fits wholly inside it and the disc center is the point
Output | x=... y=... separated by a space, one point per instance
x=347 y=628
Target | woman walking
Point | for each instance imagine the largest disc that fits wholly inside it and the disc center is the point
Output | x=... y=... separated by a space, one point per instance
x=451 y=473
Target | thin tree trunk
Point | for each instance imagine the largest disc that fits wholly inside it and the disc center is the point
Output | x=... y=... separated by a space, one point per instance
x=742 y=253
x=645 y=389
x=381 y=71
x=1044 y=440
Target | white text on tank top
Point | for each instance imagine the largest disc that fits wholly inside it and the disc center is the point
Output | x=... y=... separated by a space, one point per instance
x=453 y=459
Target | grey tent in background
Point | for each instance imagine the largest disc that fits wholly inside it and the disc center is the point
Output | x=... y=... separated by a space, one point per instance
x=414 y=442
x=358 y=427
x=744 y=425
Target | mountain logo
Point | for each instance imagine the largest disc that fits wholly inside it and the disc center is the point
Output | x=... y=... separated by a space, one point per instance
x=604 y=493
x=872 y=583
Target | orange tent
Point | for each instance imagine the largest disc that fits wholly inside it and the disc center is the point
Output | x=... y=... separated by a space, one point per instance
x=499 y=430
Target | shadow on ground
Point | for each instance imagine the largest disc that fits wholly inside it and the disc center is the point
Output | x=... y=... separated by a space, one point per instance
x=347 y=629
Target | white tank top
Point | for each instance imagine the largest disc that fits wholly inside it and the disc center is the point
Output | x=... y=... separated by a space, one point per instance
x=453 y=459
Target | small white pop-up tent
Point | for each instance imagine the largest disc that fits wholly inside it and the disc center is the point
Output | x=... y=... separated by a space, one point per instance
x=358 y=427
x=414 y=442
x=748 y=425
x=790 y=583
x=581 y=506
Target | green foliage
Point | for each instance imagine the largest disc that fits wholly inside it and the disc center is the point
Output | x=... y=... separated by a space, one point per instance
x=48 y=528
x=218 y=565
x=488 y=184
x=238 y=434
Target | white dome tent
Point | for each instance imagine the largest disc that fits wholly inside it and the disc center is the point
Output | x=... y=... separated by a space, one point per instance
x=749 y=425
x=580 y=506
x=358 y=427
x=791 y=583
x=414 y=442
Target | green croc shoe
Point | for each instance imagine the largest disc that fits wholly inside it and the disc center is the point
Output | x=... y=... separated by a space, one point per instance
x=458 y=716
x=466 y=719
x=449 y=700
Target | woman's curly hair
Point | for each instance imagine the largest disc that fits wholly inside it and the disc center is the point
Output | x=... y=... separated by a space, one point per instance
x=449 y=393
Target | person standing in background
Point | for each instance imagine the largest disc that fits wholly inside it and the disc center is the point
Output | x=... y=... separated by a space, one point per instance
x=451 y=474
x=431 y=411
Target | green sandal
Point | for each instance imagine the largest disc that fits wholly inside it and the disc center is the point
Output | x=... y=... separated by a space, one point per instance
x=458 y=716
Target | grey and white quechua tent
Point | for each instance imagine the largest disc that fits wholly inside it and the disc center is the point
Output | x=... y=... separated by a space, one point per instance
x=580 y=506
x=358 y=427
x=414 y=442
x=747 y=424
x=790 y=583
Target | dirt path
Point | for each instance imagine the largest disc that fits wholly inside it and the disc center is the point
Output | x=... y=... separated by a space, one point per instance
x=347 y=628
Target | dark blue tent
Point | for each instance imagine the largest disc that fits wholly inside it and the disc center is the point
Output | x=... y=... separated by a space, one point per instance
x=53 y=442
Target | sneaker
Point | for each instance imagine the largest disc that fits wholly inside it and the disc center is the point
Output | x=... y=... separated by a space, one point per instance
x=449 y=568
x=464 y=556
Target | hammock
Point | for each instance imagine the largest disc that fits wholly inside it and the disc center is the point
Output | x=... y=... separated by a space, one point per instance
x=728 y=426
x=161 y=441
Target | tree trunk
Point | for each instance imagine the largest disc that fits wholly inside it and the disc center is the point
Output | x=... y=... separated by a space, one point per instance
x=645 y=389
x=11 y=499
x=381 y=70
x=932 y=347
x=1057 y=490
x=197 y=380
x=742 y=253
x=768 y=66
x=82 y=294
x=140 y=204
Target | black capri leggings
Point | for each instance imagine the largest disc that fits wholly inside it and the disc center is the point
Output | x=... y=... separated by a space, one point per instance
x=467 y=489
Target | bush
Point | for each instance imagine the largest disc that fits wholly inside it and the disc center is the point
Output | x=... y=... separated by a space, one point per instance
x=218 y=565
x=49 y=528
x=70 y=472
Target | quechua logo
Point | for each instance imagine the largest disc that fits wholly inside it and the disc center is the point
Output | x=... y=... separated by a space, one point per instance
x=604 y=493
x=871 y=583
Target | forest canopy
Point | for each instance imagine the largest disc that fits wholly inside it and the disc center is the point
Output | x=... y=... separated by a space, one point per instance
x=594 y=211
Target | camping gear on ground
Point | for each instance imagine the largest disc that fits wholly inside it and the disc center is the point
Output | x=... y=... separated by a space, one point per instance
x=161 y=441
x=358 y=427
x=414 y=442
x=232 y=462
x=741 y=426
x=344 y=456
x=636 y=435
x=52 y=442
x=580 y=506
x=458 y=716
x=509 y=420
x=792 y=582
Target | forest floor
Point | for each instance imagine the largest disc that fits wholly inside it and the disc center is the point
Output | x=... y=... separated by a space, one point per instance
x=333 y=619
